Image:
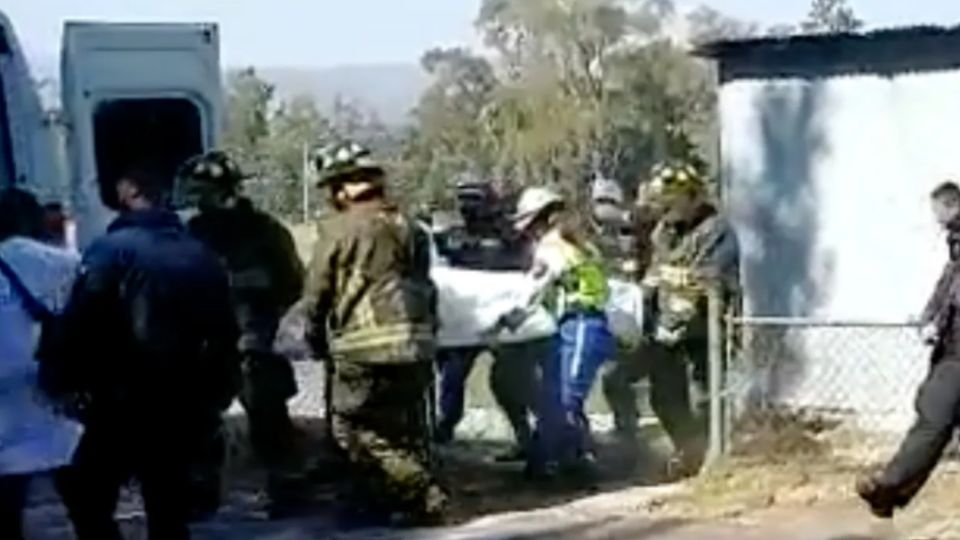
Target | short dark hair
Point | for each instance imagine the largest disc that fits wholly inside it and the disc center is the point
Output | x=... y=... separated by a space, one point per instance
x=150 y=180
x=948 y=191
x=20 y=214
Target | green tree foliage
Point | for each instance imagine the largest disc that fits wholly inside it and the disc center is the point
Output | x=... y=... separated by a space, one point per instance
x=831 y=16
x=565 y=89
x=707 y=24
x=248 y=100
x=572 y=88
x=271 y=139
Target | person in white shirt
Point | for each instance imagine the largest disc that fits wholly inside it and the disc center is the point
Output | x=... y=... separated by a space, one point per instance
x=33 y=437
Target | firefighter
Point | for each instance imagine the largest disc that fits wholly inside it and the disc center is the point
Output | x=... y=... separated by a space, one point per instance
x=266 y=279
x=372 y=312
x=693 y=249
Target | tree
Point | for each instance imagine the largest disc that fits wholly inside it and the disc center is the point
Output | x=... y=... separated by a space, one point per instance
x=295 y=127
x=248 y=100
x=707 y=24
x=451 y=135
x=571 y=88
x=831 y=16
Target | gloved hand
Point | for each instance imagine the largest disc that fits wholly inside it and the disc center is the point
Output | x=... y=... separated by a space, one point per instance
x=513 y=320
x=669 y=336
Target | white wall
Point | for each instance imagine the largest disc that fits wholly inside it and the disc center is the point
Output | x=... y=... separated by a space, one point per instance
x=827 y=183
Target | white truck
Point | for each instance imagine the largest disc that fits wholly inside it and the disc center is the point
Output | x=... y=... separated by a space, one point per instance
x=130 y=92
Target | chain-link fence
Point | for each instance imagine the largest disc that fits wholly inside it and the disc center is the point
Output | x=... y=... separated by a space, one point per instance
x=793 y=384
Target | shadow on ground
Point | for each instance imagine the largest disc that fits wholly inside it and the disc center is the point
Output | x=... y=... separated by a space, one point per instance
x=479 y=485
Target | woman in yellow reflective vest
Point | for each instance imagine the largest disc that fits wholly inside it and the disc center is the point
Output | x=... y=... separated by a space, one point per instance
x=567 y=279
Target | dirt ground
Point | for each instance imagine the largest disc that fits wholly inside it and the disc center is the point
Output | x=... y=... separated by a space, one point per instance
x=783 y=482
x=782 y=496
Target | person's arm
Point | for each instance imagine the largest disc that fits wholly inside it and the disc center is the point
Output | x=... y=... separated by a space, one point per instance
x=940 y=293
x=546 y=269
x=222 y=354
x=319 y=296
x=422 y=256
x=288 y=267
x=73 y=359
x=720 y=258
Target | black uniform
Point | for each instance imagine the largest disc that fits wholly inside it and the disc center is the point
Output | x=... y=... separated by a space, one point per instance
x=937 y=402
x=266 y=278
x=150 y=339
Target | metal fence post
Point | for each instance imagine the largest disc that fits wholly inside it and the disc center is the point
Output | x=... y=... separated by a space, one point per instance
x=715 y=374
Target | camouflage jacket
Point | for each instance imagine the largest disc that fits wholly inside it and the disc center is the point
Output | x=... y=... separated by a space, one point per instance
x=266 y=273
x=369 y=294
x=686 y=260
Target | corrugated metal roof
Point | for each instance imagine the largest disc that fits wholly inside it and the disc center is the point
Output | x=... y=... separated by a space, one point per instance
x=718 y=49
x=885 y=52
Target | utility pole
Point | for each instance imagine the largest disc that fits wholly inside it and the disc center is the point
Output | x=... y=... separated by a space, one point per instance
x=305 y=176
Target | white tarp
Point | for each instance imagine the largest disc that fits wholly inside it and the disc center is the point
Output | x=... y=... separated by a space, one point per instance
x=471 y=301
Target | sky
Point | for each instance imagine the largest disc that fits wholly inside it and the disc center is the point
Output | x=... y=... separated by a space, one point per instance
x=324 y=33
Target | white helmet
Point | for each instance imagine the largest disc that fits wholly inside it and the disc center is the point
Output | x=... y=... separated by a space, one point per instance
x=533 y=201
x=605 y=190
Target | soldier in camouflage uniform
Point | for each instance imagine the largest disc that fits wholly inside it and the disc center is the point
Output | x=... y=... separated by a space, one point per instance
x=694 y=249
x=372 y=312
x=266 y=278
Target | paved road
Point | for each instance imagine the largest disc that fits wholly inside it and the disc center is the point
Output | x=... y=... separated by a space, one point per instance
x=543 y=526
x=606 y=517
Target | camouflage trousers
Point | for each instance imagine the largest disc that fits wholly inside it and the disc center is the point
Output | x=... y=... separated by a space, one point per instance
x=380 y=423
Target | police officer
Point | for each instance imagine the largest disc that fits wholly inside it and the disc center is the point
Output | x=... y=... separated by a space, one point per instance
x=149 y=339
x=266 y=278
x=372 y=313
x=693 y=250
x=939 y=396
x=484 y=242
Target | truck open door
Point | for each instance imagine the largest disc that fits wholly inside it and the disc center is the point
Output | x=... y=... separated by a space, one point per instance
x=135 y=95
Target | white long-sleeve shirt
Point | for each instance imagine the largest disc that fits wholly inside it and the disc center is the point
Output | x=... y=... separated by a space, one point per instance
x=33 y=438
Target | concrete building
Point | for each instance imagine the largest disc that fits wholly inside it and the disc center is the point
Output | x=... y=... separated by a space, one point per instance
x=830 y=146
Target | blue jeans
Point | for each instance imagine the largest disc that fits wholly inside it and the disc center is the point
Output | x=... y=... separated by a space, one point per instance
x=583 y=344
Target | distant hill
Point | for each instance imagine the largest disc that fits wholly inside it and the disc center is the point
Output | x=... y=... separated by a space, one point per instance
x=391 y=90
